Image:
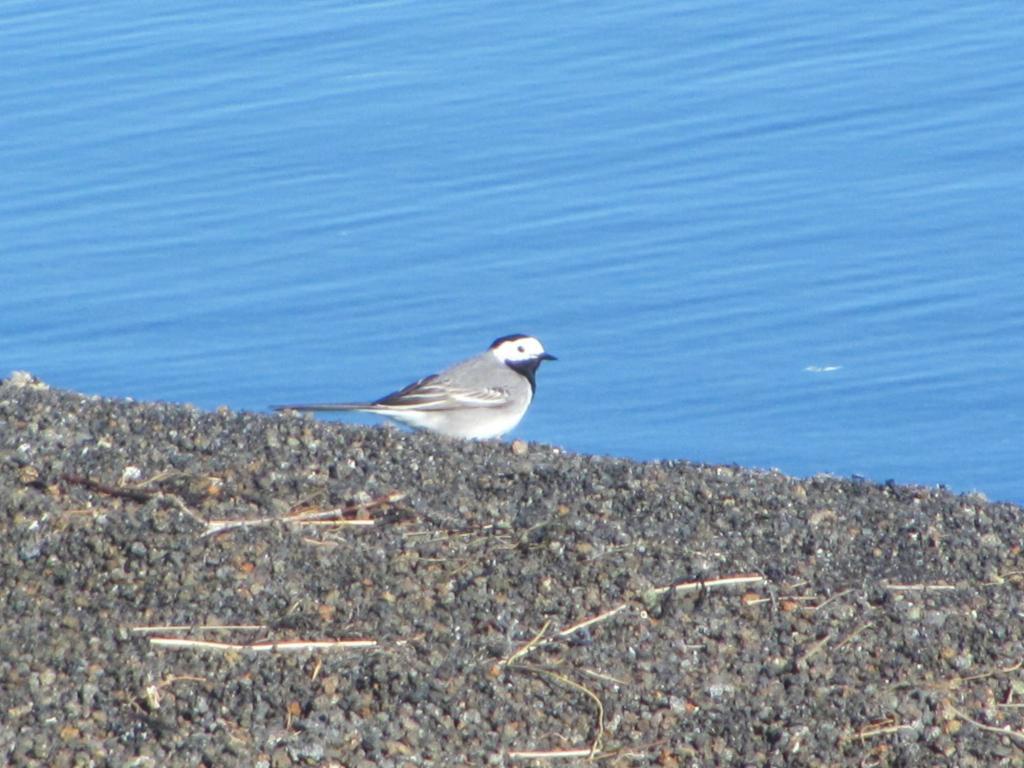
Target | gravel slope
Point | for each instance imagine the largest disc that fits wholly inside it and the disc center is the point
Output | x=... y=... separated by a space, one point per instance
x=867 y=624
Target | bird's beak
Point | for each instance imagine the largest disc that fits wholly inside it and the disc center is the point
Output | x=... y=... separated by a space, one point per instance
x=546 y=356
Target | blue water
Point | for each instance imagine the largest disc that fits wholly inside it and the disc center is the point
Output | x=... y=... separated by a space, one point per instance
x=779 y=234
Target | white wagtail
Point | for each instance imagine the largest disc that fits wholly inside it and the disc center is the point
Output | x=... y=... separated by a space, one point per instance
x=482 y=397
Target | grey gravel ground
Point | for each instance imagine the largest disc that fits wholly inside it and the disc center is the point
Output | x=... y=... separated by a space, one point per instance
x=869 y=624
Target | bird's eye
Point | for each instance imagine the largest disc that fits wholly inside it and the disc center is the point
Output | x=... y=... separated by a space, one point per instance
x=521 y=348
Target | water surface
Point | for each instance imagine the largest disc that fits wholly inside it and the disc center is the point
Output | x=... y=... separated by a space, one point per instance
x=775 y=234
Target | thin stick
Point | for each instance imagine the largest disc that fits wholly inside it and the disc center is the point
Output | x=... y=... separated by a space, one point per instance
x=920 y=587
x=348 y=509
x=685 y=586
x=332 y=516
x=853 y=633
x=183 y=507
x=181 y=679
x=1002 y=671
x=815 y=647
x=555 y=754
x=325 y=523
x=158 y=477
x=834 y=597
x=530 y=644
x=450 y=533
x=596 y=745
x=539 y=640
x=602 y=676
x=317 y=543
x=820 y=644
x=213 y=527
x=573 y=629
x=881 y=730
x=725 y=581
x=134 y=494
x=1002 y=731
x=558 y=754
x=269 y=646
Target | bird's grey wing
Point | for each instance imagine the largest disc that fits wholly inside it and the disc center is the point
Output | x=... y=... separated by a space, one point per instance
x=435 y=393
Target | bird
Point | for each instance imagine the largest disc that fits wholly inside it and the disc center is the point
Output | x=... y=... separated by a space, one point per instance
x=479 y=398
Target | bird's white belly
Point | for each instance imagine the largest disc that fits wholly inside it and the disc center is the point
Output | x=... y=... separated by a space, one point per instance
x=471 y=425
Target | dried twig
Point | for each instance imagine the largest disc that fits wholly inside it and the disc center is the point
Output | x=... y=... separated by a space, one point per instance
x=836 y=596
x=133 y=494
x=574 y=628
x=815 y=647
x=266 y=646
x=337 y=516
x=171 y=679
x=527 y=647
x=599 y=736
x=724 y=581
x=887 y=726
x=994 y=672
x=551 y=754
x=452 y=533
x=214 y=527
x=539 y=640
x=602 y=676
x=853 y=633
x=183 y=507
x=920 y=587
x=514 y=661
x=569 y=754
x=165 y=474
x=1017 y=736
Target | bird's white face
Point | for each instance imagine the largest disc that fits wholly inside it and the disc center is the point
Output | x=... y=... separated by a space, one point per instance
x=519 y=349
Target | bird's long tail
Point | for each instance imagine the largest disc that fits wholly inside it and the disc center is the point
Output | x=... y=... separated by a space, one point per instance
x=324 y=407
